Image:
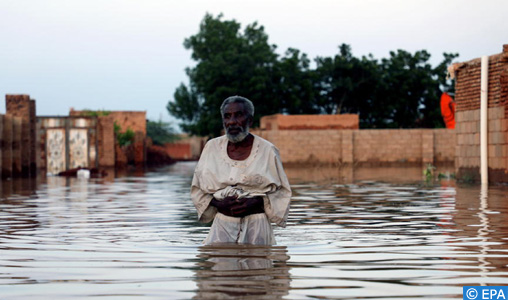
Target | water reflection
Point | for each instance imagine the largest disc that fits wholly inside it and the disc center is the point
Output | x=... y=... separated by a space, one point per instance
x=137 y=237
x=242 y=272
x=351 y=174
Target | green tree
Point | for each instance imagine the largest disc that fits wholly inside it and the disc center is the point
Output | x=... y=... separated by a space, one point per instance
x=295 y=84
x=347 y=84
x=401 y=91
x=229 y=62
x=160 y=132
x=412 y=88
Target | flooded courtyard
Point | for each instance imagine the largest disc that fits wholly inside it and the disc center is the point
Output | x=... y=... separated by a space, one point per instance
x=378 y=233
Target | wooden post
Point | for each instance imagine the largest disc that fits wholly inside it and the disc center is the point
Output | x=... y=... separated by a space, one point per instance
x=428 y=147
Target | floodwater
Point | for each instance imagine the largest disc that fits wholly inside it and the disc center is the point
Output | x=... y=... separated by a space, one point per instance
x=352 y=234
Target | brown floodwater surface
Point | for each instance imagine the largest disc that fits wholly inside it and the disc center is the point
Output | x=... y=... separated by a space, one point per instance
x=380 y=233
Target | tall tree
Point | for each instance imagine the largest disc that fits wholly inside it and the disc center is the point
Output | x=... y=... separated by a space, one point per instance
x=295 y=85
x=401 y=91
x=412 y=87
x=347 y=84
x=229 y=62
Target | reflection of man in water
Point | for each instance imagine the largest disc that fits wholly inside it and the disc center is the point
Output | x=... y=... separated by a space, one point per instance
x=239 y=181
x=242 y=272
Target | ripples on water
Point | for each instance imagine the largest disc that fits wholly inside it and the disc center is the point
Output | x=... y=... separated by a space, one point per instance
x=137 y=237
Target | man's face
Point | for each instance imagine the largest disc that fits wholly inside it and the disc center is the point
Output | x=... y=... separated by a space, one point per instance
x=236 y=122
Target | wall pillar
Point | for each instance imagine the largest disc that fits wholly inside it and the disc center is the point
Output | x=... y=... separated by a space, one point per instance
x=139 y=148
x=7 y=147
x=33 y=139
x=106 y=141
x=428 y=147
x=21 y=106
x=16 y=146
x=1 y=142
x=347 y=146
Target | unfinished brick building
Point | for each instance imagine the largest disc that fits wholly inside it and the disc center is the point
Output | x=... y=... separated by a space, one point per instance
x=467 y=98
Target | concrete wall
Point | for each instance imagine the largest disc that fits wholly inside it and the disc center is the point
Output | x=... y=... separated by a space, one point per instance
x=363 y=147
x=467 y=97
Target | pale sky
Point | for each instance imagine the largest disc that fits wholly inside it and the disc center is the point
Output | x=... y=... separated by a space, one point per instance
x=129 y=54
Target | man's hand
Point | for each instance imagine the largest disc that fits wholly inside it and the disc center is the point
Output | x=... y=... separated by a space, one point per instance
x=233 y=207
x=247 y=206
x=224 y=206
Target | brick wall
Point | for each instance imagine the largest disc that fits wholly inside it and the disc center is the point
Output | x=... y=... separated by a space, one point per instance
x=105 y=142
x=364 y=147
x=468 y=77
x=178 y=151
x=186 y=147
x=135 y=120
x=295 y=122
x=23 y=107
x=389 y=145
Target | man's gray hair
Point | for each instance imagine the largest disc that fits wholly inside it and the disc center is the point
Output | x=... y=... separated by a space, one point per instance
x=238 y=99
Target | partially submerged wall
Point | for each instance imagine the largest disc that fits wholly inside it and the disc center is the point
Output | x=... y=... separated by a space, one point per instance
x=24 y=134
x=66 y=143
x=467 y=98
x=363 y=147
x=186 y=147
x=134 y=153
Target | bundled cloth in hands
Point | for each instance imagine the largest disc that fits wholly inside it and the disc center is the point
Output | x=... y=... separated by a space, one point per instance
x=237 y=192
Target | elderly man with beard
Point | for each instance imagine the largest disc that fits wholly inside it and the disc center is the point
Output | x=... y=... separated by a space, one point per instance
x=239 y=182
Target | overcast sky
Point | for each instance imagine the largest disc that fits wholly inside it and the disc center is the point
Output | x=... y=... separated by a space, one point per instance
x=129 y=54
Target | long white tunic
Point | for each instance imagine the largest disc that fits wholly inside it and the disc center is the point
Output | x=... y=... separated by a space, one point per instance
x=260 y=173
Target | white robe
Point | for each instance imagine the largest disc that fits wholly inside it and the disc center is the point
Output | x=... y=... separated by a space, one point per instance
x=259 y=174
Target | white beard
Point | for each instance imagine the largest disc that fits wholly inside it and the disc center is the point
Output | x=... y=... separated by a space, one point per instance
x=239 y=136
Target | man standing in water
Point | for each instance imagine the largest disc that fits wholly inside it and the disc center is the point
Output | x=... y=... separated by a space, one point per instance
x=239 y=181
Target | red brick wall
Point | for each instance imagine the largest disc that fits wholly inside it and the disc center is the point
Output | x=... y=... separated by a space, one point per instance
x=179 y=151
x=468 y=77
x=135 y=120
x=22 y=106
x=106 y=142
x=297 y=122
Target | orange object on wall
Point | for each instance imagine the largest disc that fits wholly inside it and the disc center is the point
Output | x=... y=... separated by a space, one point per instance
x=448 y=110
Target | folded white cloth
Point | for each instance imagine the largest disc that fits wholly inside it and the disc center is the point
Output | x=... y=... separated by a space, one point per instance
x=230 y=191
